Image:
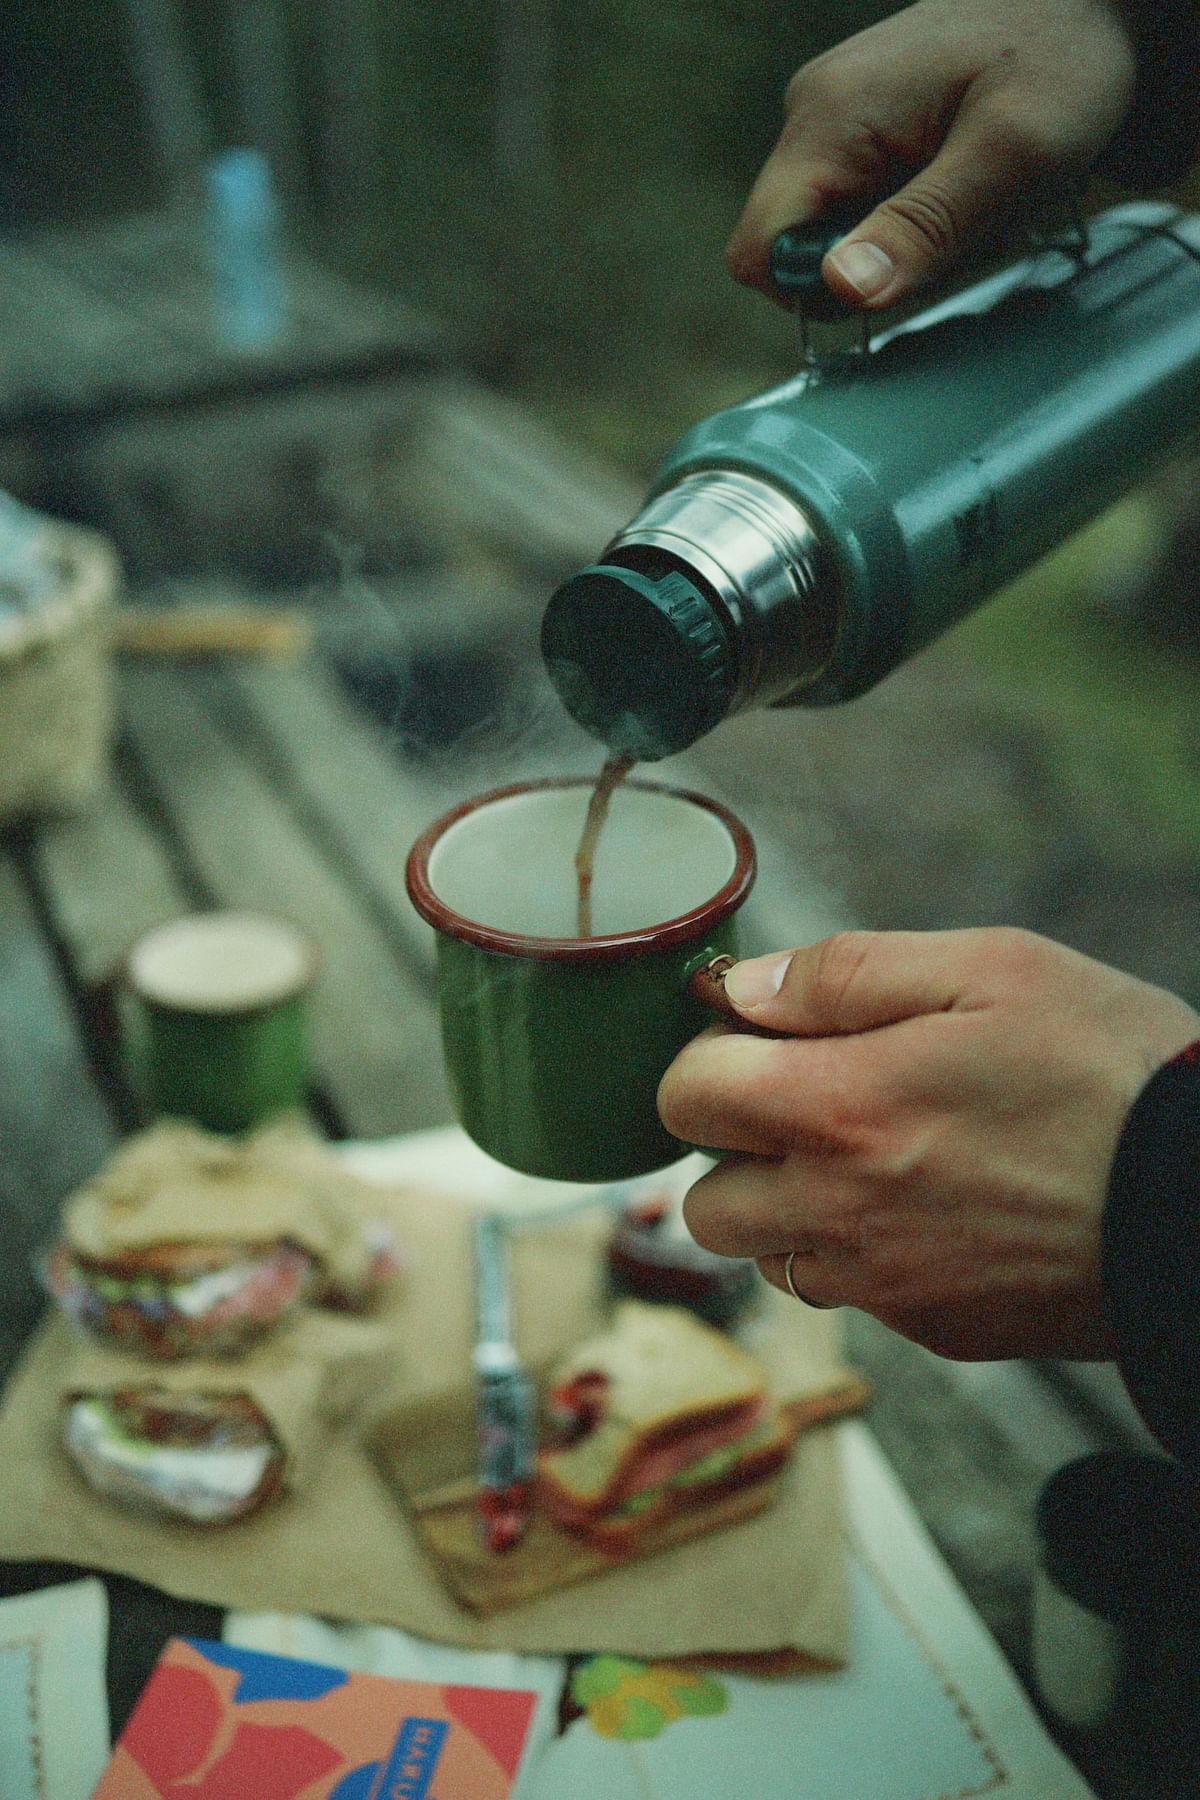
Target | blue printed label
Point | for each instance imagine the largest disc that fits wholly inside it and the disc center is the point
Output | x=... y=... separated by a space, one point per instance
x=414 y=1758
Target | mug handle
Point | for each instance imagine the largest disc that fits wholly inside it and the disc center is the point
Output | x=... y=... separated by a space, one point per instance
x=706 y=982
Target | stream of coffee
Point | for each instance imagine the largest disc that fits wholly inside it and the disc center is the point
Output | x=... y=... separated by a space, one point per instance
x=611 y=776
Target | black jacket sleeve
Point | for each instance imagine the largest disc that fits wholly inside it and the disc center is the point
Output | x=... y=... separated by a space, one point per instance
x=1151 y=1255
x=1159 y=139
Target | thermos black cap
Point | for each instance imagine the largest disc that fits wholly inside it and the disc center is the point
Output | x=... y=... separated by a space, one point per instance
x=645 y=663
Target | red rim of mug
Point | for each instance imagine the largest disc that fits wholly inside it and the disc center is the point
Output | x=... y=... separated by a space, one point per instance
x=568 y=949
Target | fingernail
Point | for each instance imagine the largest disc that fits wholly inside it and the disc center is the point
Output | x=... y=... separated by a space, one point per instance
x=758 y=980
x=865 y=266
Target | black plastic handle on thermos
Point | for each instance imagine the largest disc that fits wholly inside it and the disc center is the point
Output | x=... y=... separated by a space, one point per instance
x=795 y=264
x=796 y=255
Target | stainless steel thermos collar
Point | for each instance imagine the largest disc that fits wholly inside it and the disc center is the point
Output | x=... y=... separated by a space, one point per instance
x=717 y=591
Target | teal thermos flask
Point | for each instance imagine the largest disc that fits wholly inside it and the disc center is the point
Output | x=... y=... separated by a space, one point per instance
x=798 y=546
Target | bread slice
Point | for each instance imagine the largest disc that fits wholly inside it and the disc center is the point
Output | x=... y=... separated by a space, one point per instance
x=662 y=1389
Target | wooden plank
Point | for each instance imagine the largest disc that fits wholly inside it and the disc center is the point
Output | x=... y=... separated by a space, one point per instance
x=517 y=482
x=106 y=877
x=66 y=346
x=156 y=269
x=355 y=794
x=155 y=266
x=167 y=289
x=255 y=483
x=365 y=315
x=376 y=1046
x=104 y=319
x=55 y=1130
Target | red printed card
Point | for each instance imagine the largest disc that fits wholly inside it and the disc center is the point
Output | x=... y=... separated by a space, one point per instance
x=218 y=1723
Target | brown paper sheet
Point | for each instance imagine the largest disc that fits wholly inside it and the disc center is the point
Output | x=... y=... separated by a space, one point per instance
x=342 y=1546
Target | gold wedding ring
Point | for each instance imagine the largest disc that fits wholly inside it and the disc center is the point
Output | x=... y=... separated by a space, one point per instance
x=794 y=1291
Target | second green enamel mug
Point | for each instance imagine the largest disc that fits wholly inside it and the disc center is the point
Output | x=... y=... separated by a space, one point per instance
x=214 y=1010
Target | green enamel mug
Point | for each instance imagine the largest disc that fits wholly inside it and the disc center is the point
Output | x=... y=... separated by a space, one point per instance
x=214 y=1016
x=555 y=1044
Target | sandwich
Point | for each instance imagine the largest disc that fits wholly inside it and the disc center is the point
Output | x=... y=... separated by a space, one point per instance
x=207 y=1458
x=180 y=1299
x=209 y=1441
x=189 y=1244
x=658 y=1417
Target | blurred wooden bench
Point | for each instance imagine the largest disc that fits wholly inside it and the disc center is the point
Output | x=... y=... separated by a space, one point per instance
x=123 y=402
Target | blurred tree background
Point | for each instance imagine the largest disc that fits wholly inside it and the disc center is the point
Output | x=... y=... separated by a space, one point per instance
x=554 y=181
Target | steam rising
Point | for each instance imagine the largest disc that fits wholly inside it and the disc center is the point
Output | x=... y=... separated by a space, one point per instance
x=450 y=669
x=452 y=673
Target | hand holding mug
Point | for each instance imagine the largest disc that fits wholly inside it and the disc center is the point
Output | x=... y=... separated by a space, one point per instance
x=933 y=1137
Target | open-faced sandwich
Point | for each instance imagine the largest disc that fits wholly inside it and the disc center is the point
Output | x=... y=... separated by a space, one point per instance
x=658 y=1415
x=209 y=1441
x=209 y=1458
